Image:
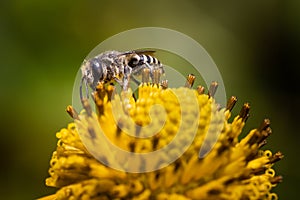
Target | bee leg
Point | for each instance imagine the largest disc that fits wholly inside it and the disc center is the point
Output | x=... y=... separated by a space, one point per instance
x=126 y=78
x=151 y=71
x=120 y=82
x=135 y=81
x=139 y=69
x=126 y=82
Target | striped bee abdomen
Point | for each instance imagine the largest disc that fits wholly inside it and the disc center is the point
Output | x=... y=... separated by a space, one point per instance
x=138 y=60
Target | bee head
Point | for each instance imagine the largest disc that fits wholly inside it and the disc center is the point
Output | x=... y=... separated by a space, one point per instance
x=87 y=71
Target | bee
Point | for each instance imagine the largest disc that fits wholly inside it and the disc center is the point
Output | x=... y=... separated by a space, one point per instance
x=117 y=66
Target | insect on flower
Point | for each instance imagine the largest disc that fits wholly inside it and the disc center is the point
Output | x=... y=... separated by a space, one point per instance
x=118 y=66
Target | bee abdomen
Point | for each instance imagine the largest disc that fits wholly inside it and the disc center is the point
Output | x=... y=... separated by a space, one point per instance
x=149 y=59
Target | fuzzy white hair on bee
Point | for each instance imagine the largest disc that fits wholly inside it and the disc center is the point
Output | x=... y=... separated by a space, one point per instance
x=117 y=66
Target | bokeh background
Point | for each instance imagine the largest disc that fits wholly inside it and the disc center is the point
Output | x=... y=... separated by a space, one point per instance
x=42 y=44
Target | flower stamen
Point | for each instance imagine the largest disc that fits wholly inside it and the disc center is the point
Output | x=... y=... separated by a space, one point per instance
x=190 y=80
x=228 y=168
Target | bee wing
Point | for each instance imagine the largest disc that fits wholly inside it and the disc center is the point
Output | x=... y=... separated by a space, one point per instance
x=145 y=52
x=139 y=52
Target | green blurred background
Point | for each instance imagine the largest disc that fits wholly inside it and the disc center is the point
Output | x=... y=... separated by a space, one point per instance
x=42 y=43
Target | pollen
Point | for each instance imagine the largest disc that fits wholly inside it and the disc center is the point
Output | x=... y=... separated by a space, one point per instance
x=216 y=164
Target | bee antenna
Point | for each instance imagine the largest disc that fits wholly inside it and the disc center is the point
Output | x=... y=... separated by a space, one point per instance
x=83 y=79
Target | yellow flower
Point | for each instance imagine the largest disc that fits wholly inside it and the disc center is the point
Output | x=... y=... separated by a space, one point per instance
x=229 y=169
